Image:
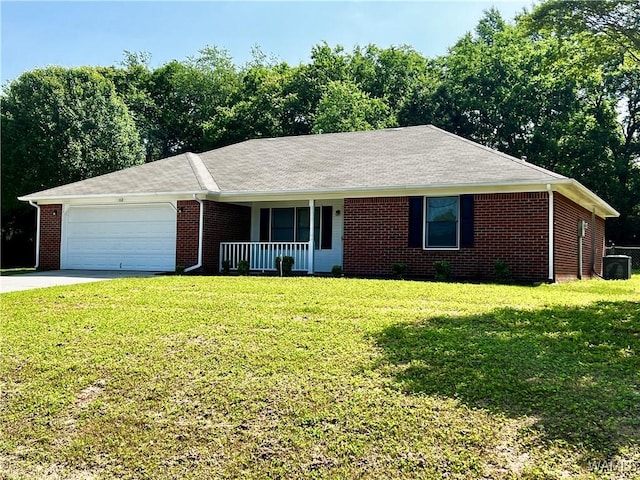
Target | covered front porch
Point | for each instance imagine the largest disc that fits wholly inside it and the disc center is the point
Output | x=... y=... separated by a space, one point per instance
x=261 y=256
x=308 y=231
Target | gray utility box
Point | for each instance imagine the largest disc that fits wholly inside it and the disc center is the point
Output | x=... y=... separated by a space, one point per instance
x=617 y=267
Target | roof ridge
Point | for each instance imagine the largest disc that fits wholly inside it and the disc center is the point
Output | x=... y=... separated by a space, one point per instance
x=498 y=152
x=307 y=136
x=202 y=173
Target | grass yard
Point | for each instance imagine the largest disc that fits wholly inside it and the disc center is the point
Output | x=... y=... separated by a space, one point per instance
x=238 y=377
x=5 y=272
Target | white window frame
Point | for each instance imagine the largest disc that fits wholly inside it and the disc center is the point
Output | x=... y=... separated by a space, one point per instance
x=426 y=225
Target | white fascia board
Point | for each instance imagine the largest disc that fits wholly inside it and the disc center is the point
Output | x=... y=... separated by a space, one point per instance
x=394 y=191
x=115 y=198
x=584 y=197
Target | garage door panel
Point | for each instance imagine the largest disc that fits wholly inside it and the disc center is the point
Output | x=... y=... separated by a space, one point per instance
x=113 y=230
x=127 y=237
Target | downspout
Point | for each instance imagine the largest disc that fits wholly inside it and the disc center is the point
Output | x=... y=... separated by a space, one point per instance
x=551 y=252
x=37 y=207
x=200 y=236
x=580 y=237
x=593 y=242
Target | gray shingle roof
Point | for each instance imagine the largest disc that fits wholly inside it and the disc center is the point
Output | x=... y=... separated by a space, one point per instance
x=397 y=157
x=170 y=175
x=419 y=156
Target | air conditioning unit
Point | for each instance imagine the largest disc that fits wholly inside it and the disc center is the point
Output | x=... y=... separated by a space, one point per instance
x=617 y=267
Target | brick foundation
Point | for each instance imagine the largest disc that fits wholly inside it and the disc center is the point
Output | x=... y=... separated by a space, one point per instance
x=50 y=236
x=512 y=227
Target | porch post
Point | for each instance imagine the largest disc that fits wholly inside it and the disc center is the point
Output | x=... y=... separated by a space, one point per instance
x=312 y=222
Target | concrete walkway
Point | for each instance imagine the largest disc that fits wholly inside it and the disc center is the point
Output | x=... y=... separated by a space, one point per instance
x=28 y=281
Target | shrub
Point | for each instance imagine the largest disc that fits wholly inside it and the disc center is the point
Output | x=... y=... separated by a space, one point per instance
x=443 y=270
x=398 y=270
x=243 y=267
x=501 y=271
x=336 y=270
x=284 y=265
x=226 y=267
x=180 y=269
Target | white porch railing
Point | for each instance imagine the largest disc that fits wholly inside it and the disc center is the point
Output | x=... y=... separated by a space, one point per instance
x=262 y=255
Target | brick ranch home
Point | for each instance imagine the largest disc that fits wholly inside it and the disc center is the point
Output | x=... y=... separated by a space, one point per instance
x=411 y=195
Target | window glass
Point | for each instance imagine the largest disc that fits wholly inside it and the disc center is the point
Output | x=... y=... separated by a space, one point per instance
x=282 y=225
x=293 y=224
x=302 y=224
x=442 y=222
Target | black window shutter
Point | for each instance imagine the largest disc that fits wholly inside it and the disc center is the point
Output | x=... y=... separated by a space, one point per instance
x=327 y=227
x=265 y=224
x=466 y=221
x=416 y=222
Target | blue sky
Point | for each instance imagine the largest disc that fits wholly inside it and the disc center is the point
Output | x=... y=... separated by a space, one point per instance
x=38 y=34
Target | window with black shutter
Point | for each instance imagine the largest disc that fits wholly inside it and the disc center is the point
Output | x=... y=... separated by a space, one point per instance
x=441 y=222
x=416 y=216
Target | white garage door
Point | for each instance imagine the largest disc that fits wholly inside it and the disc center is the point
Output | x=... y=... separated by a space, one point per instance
x=122 y=237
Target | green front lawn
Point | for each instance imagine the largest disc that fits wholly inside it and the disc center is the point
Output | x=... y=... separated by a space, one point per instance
x=15 y=271
x=238 y=377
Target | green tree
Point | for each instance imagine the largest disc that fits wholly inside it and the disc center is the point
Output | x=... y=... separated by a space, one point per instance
x=346 y=108
x=309 y=83
x=387 y=73
x=132 y=81
x=618 y=20
x=188 y=96
x=59 y=126
x=265 y=105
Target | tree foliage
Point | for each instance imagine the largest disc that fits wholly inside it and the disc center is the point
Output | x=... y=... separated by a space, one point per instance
x=618 y=20
x=62 y=125
x=346 y=108
x=59 y=126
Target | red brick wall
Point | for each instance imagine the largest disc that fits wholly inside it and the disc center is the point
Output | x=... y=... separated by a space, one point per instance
x=566 y=216
x=50 y=236
x=512 y=227
x=187 y=226
x=223 y=222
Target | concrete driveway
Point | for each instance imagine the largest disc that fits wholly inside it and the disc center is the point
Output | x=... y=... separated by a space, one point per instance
x=28 y=281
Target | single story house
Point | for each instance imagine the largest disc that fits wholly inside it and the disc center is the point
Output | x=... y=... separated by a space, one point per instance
x=361 y=200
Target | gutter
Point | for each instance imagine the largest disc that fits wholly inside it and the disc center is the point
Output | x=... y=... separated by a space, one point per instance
x=390 y=190
x=37 y=207
x=62 y=198
x=200 y=236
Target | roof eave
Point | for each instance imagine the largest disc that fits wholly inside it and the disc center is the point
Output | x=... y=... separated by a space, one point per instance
x=570 y=188
x=116 y=196
x=580 y=194
x=391 y=190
